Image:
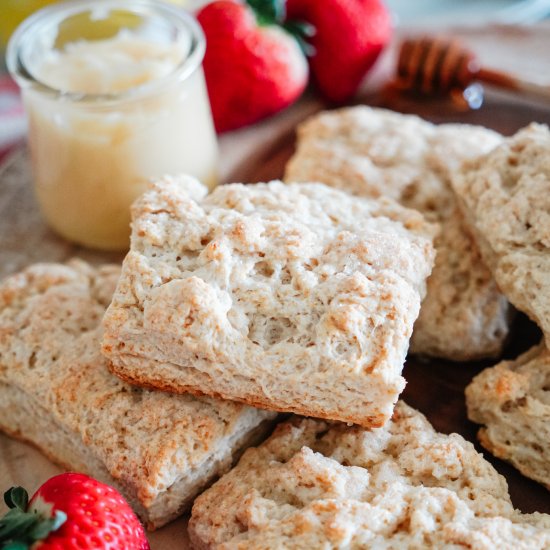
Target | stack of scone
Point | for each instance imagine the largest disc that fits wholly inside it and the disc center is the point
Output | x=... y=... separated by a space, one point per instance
x=506 y=198
x=301 y=298
x=372 y=153
x=57 y=393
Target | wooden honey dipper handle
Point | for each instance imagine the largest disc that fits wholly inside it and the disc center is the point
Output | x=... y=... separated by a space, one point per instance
x=438 y=65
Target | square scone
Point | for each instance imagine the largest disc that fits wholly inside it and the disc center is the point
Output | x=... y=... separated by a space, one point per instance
x=506 y=198
x=56 y=393
x=512 y=402
x=295 y=298
x=314 y=484
x=373 y=152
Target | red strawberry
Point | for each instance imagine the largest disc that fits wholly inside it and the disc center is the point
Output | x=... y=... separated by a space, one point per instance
x=350 y=34
x=253 y=67
x=70 y=511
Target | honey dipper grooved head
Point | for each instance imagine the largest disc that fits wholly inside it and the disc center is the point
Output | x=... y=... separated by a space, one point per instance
x=435 y=65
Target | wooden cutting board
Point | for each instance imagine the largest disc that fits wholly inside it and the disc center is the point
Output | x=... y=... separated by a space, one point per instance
x=259 y=153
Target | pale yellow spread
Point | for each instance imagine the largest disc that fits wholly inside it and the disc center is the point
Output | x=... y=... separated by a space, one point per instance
x=91 y=160
x=108 y=66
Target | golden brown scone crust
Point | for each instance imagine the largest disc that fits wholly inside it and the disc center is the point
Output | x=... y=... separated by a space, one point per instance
x=289 y=297
x=314 y=484
x=512 y=402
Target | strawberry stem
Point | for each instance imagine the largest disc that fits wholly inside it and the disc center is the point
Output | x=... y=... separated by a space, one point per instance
x=273 y=12
x=20 y=528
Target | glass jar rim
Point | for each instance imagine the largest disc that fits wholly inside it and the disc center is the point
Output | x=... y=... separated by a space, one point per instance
x=187 y=67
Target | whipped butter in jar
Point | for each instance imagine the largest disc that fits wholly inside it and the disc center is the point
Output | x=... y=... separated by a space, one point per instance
x=115 y=96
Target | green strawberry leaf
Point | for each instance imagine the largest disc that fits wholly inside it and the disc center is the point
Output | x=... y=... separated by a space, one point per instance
x=16 y=523
x=59 y=519
x=273 y=12
x=20 y=528
x=16 y=497
x=302 y=31
x=268 y=12
x=15 y=546
x=43 y=528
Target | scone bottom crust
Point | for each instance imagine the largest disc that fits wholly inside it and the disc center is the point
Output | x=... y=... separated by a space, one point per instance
x=253 y=401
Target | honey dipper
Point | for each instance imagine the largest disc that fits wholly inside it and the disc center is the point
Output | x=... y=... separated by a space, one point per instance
x=432 y=65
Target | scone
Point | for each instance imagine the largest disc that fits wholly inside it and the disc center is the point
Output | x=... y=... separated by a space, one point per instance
x=506 y=197
x=373 y=152
x=57 y=393
x=403 y=486
x=512 y=401
x=295 y=298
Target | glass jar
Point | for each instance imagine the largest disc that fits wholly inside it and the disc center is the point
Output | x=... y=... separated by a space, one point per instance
x=115 y=96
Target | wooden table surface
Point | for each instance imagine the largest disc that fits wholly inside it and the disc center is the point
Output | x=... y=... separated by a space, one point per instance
x=258 y=153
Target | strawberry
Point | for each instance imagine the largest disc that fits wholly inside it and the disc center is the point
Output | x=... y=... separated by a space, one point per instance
x=253 y=67
x=70 y=511
x=349 y=36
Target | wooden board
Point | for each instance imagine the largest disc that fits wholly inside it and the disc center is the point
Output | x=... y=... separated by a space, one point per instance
x=258 y=153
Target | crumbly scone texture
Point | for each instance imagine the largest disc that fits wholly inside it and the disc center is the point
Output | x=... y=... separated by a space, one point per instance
x=374 y=152
x=156 y=447
x=404 y=486
x=512 y=402
x=296 y=298
x=506 y=197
